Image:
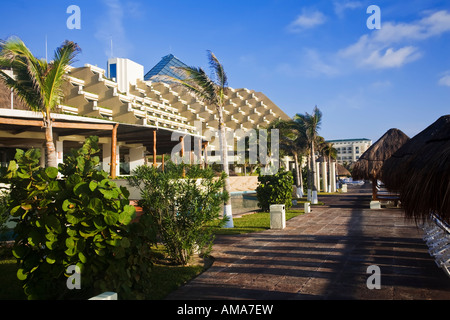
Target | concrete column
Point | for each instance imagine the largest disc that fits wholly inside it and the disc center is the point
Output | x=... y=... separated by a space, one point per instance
x=324 y=177
x=136 y=157
x=318 y=176
x=333 y=176
x=59 y=152
x=106 y=157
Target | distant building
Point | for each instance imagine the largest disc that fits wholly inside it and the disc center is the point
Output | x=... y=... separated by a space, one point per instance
x=349 y=150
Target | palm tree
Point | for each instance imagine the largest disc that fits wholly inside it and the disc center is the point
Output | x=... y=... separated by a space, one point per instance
x=311 y=124
x=292 y=141
x=38 y=82
x=213 y=92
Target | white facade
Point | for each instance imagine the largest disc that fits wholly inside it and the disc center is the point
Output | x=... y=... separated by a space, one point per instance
x=125 y=72
x=349 y=150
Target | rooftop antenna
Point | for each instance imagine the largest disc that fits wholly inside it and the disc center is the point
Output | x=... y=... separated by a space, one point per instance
x=112 y=53
x=46 y=54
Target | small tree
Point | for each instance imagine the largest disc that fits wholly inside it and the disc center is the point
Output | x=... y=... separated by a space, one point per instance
x=38 y=82
x=182 y=208
x=82 y=220
x=275 y=189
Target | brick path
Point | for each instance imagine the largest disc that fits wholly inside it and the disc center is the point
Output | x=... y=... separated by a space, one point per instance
x=324 y=255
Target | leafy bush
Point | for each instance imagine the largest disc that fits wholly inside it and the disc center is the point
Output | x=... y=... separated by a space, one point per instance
x=181 y=207
x=4 y=211
x=83 y=220
x=275 y=189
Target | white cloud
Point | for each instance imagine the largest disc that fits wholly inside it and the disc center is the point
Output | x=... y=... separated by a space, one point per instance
x=307 y=20
x=340 y=7
x=445 y=79
x=396 y=44
x=392 y=58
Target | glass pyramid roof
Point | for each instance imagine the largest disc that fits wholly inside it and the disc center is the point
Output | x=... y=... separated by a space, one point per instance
x=165 y=67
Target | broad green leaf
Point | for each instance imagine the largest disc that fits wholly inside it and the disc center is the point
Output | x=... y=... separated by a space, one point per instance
x=127 y=215
x=82 y=257
x=96 y=205
x=51 y=172
x=68 y=206
x=70 y=243
x=109 y=193
x=21 y=275
x=93 y=185
x=81 y=188
x=111 y=218
x=51 y=259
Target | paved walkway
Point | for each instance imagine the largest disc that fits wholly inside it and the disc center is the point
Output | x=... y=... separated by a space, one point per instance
x=324 y=255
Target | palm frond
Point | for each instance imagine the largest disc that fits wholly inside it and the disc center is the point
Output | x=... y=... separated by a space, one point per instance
x=28 y=72
x=219 y=72
x=64 y=56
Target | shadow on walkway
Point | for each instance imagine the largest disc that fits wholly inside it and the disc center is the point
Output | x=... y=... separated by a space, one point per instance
x=324 y=255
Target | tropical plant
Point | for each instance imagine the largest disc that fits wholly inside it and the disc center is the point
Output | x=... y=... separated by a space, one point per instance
x=181 y=207
x=213 y=92
x=38 y=82
x=275 y=189
x=311 y=124
x=83 y=221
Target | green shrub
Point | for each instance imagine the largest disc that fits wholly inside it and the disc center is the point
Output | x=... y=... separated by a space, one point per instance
x=83 y=220
x=181 y=207
x=275 y=189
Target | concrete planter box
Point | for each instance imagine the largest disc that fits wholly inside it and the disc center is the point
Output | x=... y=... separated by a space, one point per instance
x=277 y=216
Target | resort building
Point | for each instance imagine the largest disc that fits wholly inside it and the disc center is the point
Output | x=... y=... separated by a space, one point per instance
x=349 y=150
x=137 y=117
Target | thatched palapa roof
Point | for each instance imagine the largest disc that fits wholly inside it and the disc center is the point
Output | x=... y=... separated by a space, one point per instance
x=342 y=171
x=394 y=171
x=370 y=163
x=426 y=175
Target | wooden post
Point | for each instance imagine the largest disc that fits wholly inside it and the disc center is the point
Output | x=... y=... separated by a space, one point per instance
x=154 y=148
x=113 y=163
x=162 y=162
x=374 y=189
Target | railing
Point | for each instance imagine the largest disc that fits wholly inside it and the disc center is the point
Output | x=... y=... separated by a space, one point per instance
x=437 y=238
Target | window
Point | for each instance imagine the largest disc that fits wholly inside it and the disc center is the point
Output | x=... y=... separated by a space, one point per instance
x=113 y=71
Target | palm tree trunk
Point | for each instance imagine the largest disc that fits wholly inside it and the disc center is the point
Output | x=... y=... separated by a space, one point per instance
x=50 y=145
x=309 y=191
x=227 y=210
x=299 y=191
x=313 y=180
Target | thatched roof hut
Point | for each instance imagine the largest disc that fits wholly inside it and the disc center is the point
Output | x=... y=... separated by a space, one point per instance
x=394 y=170
x=368 y=166
x=342 y=171
x=426 y=180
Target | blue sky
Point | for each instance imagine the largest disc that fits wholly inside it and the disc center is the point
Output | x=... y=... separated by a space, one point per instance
x=299 y=53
